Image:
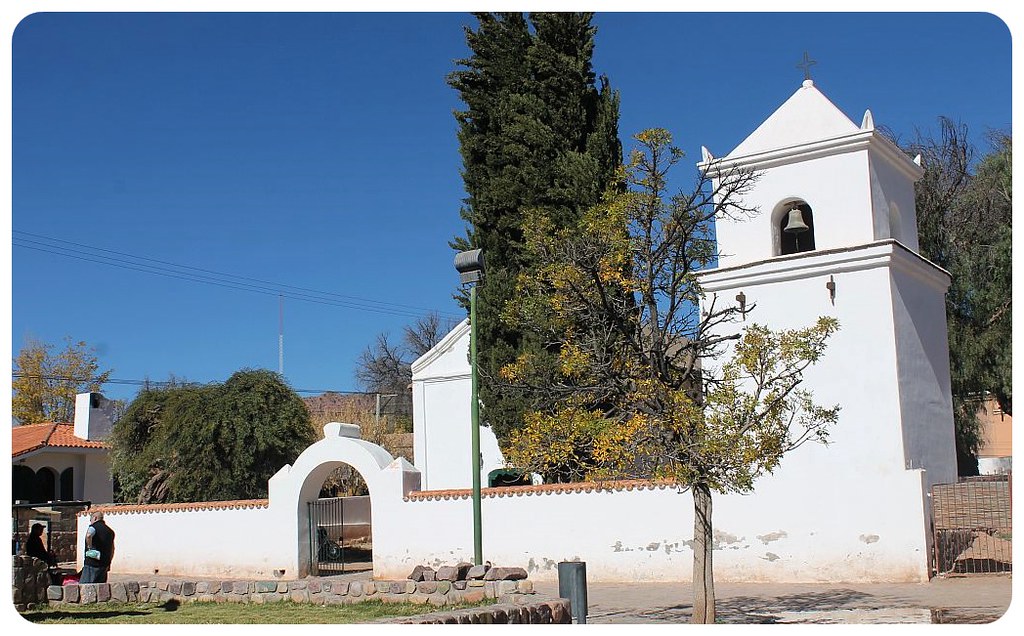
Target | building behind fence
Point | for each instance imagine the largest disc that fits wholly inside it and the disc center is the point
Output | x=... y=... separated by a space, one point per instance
x=972 y=525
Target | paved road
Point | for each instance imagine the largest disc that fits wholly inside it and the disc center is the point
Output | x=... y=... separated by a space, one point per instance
x=972 y=599
x=978 y=599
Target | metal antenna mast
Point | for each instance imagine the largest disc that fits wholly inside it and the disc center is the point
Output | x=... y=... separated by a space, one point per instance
x=280 y=334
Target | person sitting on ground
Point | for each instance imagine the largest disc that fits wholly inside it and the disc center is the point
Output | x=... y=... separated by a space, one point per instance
x=35 y=548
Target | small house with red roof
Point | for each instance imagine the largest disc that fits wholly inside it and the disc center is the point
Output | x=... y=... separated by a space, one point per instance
x=60 y=461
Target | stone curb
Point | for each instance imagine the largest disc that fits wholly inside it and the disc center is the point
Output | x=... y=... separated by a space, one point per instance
x=548 y=612
x=435 y=593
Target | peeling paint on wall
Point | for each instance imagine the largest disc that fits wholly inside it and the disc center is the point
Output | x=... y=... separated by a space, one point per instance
x=868 y=538
x=770 y=556
x=772 y=536
x=719 y=538
x=653 y=546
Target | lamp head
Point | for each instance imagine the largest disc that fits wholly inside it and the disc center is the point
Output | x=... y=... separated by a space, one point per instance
x=470 y=265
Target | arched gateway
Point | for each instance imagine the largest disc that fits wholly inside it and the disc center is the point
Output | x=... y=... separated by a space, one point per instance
x=293 y=487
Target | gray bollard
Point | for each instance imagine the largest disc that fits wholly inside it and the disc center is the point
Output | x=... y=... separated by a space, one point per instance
x=572 y=584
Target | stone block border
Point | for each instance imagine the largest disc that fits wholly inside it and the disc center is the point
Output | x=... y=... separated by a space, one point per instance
x=552 y=612
x=315 y=591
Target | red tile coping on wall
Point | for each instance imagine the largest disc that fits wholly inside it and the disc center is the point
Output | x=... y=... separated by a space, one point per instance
x=423 y=495
x=174 y=507
x=545 y=489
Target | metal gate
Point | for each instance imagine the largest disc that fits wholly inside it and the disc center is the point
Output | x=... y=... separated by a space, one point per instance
x=971 y=522
x=338 y=535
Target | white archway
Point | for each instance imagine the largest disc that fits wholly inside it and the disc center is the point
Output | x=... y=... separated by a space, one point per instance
x=291 y=488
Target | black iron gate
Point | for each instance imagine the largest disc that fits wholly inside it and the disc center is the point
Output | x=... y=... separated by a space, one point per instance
x=338 y=535
x=971 y=521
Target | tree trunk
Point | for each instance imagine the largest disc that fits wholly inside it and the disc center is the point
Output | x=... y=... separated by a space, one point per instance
x=703 y=578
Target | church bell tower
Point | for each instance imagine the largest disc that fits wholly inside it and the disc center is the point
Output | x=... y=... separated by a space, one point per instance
x=836 y=236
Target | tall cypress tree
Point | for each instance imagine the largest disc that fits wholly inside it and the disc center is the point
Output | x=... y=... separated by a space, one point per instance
x=540 y=131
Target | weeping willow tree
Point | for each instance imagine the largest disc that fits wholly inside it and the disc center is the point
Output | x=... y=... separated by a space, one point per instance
x=217 y=442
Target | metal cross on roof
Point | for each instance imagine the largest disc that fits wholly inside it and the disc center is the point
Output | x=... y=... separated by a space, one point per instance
x=806 y=65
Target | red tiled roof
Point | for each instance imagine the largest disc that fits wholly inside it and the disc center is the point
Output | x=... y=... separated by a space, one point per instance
x=32 y=437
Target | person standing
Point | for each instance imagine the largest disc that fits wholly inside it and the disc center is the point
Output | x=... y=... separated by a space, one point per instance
x=99 y=550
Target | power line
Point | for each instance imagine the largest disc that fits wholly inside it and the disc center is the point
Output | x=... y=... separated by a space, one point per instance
x=212 y=277
x=35 y=376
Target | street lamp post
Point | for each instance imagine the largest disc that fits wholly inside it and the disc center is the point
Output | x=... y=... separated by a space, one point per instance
x=470 y=265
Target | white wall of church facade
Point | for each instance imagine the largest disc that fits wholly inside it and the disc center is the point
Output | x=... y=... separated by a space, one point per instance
x=894 y=420
x=441 y=393
x=926 y=407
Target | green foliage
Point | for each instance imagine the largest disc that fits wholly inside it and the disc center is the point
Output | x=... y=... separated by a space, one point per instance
x=208 y=443
x=964 y=216
x=635 y=389
x=539 y=131
x=47 y=380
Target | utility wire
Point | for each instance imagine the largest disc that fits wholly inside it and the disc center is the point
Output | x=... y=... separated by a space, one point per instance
x=34 y=376
x=212 y=277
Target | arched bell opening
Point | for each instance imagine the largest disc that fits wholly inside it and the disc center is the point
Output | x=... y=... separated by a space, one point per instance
x=792 y=228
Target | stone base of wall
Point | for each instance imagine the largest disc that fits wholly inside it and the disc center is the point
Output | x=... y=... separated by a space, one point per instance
x=30 y=582
x=316 y=591
x=553 y=612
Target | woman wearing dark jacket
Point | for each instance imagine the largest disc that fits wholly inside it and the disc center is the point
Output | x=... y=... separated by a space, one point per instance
x=35 y=547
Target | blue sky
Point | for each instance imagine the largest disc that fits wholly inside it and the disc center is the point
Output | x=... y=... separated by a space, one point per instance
x=318 y=151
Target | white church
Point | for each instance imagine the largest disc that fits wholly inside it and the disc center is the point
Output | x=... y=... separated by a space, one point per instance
x=857 y=509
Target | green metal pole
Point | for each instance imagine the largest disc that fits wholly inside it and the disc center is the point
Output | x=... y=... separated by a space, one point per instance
x=478 y=551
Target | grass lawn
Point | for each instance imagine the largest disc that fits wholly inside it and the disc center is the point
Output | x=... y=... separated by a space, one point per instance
x=234 y=613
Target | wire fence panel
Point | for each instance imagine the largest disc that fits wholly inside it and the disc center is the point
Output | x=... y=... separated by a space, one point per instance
x=339 y=531
x=973 y=531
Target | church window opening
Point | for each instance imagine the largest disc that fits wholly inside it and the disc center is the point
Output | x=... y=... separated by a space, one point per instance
x=67 y=484
x=796 y=229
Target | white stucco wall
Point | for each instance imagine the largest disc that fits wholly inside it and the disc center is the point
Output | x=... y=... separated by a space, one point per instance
x=645 y=535
x=228 y=542
x=799 y=526
x=442 y=434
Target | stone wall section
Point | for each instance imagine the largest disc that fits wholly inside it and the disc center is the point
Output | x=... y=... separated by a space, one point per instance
x=315 y=591
x=29 y=581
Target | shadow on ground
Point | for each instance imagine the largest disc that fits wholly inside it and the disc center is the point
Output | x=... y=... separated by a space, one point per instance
x=34 y=617
x=754 y=609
